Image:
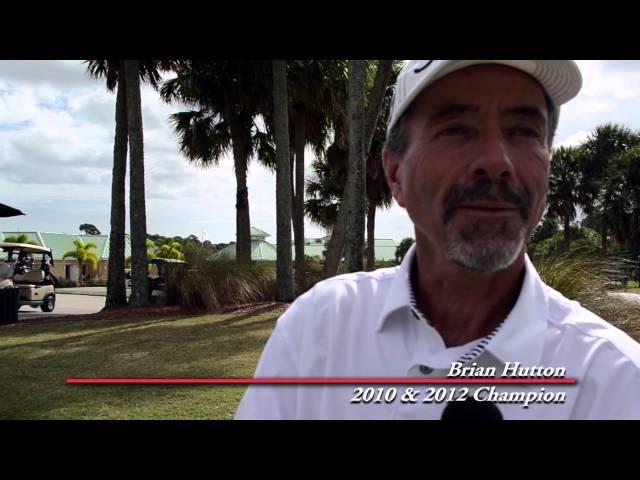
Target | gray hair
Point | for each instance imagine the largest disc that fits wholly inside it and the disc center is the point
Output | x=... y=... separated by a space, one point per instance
x=396 y=141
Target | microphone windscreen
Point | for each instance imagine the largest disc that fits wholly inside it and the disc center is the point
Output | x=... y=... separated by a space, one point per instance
x=471 y=410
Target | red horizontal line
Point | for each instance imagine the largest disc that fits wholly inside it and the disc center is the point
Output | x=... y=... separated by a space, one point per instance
x=319 y=381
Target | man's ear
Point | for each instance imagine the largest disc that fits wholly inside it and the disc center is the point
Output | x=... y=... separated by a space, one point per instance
x=392 y=164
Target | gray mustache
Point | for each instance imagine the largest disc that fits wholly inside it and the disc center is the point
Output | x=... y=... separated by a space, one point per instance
x=488 y=190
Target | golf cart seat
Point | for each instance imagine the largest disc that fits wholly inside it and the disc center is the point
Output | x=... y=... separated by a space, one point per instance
x=6 y=269
x=29 y=279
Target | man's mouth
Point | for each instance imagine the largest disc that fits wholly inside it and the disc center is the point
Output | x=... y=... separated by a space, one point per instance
x=489 y=211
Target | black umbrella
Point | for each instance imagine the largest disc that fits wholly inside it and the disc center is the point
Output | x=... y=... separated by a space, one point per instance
x=7 y=211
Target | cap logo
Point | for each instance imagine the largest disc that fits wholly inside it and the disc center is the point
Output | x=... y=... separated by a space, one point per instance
x=418 y=70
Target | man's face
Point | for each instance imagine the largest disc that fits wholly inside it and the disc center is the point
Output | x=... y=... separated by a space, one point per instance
x=474 y=176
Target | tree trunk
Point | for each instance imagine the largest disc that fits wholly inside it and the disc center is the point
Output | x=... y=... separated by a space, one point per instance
x=292 y=166
x=116 y=288
x=284 y=273
x=383 y=74
x=371 y=226
x=293 y=191
x=80 y=276
x=335 y=246
x=567 y=230
x=241 y=141
x=298 y=208
x=354 y=238
x=635 y=244
x=603 y=235
x=336 y=243
x=137 y=204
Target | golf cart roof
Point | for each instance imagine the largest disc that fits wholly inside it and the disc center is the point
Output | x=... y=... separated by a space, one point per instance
x=24 y=247
x=165 y=260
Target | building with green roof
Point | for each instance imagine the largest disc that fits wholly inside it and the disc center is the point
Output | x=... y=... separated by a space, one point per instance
x=385 y=249
x=261 y=250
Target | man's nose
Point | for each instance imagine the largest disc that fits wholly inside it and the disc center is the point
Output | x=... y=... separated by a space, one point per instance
x=493 y=158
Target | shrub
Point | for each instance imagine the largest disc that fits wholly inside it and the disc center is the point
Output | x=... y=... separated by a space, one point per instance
x=588 y=277
x=582 y=239
x=386 y=263
x=212 y=284
x=312 y=274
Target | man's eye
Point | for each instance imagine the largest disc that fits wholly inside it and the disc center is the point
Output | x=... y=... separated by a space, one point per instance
x=455 y=130
x=527 y=132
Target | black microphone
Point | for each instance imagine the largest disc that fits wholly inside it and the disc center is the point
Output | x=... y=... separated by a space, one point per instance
x=471 y=410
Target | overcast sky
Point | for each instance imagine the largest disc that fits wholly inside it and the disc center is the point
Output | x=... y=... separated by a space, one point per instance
x=56 y=152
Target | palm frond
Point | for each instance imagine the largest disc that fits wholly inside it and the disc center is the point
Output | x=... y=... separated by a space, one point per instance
x=203 y=138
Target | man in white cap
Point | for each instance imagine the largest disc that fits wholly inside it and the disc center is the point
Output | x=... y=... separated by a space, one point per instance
x=467 y=155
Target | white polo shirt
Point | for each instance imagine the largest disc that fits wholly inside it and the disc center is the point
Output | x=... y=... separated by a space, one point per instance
x=361 y=325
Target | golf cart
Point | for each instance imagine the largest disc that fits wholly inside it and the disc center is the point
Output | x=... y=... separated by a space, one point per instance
x=19 y=269
x=161 y=275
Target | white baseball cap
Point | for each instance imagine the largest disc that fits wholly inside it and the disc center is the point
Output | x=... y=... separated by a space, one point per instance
x=560 y=78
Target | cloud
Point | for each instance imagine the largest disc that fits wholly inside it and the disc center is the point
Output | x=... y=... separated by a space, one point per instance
x=17 y=174
x=96 y=106
x=16 y=126
x=574 y=139
x=610 y=93
x=607 y=79
x=66 y=74
x=620 y=66
x=17 y=106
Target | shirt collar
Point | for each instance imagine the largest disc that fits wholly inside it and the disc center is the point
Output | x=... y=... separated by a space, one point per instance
x=520 y=337
x=398 y=294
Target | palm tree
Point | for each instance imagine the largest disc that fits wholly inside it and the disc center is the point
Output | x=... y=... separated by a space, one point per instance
x=85 y=255
x=283 y=193
x=326 y=186
x=631 y=162
x=21 y=238
x=564 y=179
x=378 y=191
x=112 y=71
x=375 y=99
x=137 y=203
x=229 y=95
x=169 y=249
x=621 y=196
x=613 y=200
x=403 y=248
x=632 y=188
x=356 y=178
x=310 y=104
x=601 y=147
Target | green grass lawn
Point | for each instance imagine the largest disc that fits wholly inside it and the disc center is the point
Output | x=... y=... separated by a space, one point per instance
x=35 y=361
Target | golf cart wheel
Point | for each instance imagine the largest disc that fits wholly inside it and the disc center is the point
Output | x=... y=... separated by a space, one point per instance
x=49 y=303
